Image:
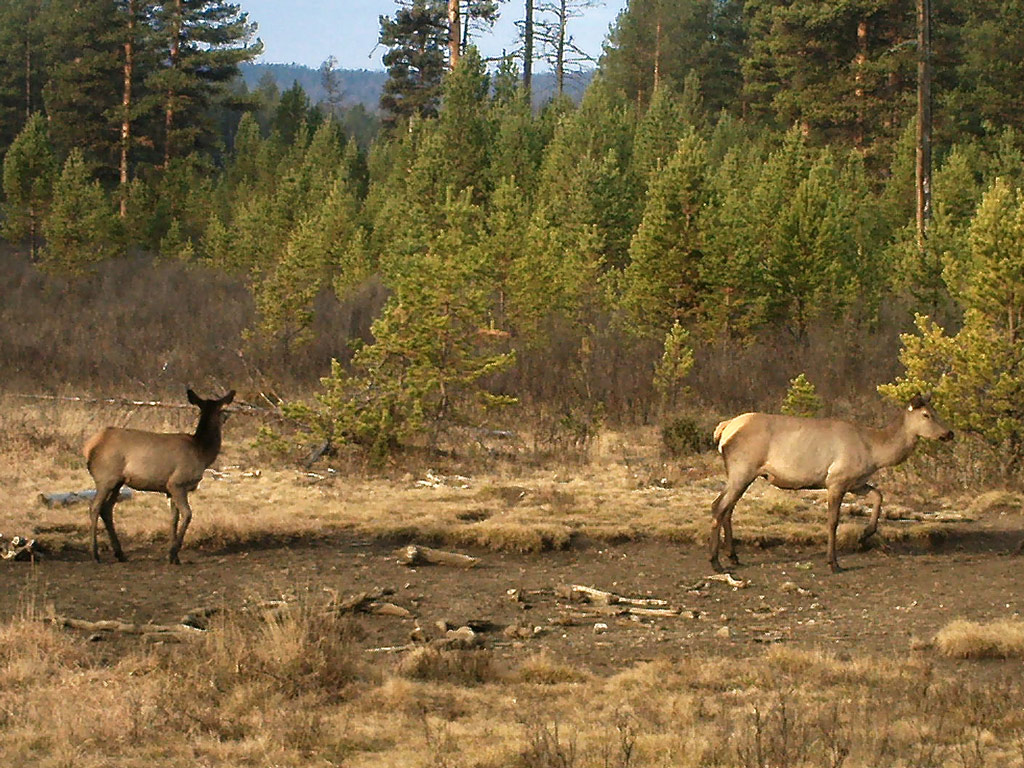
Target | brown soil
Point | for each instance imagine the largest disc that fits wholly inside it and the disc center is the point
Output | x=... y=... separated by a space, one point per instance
x=888 y=597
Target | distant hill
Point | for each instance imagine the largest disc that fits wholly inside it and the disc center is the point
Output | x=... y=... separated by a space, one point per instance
x=363 y=86
x=358 y=86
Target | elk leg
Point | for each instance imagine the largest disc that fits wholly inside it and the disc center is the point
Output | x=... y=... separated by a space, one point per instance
x=876 y=510
x=179 y=498
x=175 y=516
x=730 y=544
x=721 y=518
x=835 y=500
x=103 y=507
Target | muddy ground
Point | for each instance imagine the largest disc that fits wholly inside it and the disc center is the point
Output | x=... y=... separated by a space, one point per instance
x=887 y=601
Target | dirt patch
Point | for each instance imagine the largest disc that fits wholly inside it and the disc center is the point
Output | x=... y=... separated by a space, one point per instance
x=888 y=598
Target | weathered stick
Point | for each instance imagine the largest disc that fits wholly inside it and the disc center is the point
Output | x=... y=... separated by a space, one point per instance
x=417 y=555
x=610 y=598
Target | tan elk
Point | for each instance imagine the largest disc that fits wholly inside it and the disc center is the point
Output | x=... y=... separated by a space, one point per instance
x=801 y=453
x=169 y=463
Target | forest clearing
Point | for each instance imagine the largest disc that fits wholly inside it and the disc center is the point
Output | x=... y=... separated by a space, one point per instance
x=473 y=346
x=783 y=663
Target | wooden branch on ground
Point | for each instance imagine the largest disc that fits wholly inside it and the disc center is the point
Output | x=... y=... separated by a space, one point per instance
x=414 y=554
x=126 y=628
x=617 y=605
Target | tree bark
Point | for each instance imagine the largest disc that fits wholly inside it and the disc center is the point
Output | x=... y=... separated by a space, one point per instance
x=924 y=123
x=528 y=47
x=454 y=33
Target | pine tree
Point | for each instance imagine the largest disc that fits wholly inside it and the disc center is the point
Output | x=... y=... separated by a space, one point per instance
x=22 y=66
x=809 y=260
x=662 y=282
x=433 y=348
x=202 y=42
x=80 y=224
x=658 y=133
x=838 y=69
x=29 y=170
x=977 y=375
x=286 y=294
x=83 y=92
x=416 y=39
x=518 y=144
x=657 y=43
x=801 y=398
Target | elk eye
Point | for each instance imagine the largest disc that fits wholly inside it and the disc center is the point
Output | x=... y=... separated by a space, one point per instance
x=927 y=415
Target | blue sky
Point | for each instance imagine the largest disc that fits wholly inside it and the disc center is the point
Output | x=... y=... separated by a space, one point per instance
x=308 y=31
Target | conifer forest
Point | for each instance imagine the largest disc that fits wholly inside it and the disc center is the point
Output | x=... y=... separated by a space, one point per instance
x=750 y=195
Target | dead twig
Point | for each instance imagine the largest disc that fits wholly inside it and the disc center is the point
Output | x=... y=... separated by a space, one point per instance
x=414 y=554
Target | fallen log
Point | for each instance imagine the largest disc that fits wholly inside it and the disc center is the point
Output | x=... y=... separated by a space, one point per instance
x=414 y=554
x=78 y=497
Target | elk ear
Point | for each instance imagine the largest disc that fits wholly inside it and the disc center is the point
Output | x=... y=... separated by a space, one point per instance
x=194 y=398
x=228 y=398
x=917 y=402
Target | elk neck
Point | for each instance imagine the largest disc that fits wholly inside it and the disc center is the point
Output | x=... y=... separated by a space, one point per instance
x=207 y=434
x=894 y=444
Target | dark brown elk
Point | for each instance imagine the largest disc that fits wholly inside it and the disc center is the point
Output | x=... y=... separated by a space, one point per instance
x=801 y=453
x=169 y=463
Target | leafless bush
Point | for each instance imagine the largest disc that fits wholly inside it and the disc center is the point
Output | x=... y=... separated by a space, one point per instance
x=546 y=744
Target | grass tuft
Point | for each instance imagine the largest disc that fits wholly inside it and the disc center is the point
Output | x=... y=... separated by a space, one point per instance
x=963 y=639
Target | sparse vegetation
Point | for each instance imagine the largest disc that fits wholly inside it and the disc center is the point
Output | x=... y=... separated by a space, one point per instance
x=294 y=693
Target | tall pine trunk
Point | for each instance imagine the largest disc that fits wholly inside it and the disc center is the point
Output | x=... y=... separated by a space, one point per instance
x=454 y=33
x=528 y=46
x=126 y=106
x=859 y=64
x=924 y=124
x=563 y=12
x=172 y=63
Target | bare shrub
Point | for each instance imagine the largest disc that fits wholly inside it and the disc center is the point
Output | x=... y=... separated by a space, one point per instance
x=455 y=667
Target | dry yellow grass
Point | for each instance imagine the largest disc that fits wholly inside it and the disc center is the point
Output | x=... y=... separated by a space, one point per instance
x=971 y=640
x=295 y=693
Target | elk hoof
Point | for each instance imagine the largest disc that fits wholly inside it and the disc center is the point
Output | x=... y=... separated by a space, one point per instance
x=734 y=559
x=866 y=534
x=836 y=567
x=173 y=559
x=716 y=566
x=121 y=557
